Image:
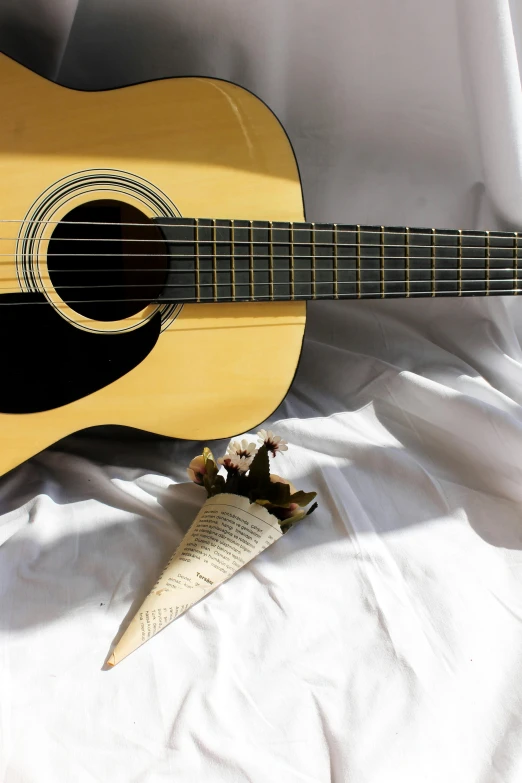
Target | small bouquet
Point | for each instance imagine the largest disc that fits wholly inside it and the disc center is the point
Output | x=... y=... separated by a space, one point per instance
x=247 y=509
x=248 y=475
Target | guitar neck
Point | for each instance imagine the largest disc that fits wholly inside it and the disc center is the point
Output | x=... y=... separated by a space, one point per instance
x=240 y=260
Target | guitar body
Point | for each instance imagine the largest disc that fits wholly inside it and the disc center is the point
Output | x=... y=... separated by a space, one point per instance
x=177 y=147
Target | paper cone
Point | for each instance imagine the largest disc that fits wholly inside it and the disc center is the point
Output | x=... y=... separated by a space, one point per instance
x=227 y=533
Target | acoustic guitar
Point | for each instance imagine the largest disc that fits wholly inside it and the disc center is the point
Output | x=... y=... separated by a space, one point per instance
x=156 y=262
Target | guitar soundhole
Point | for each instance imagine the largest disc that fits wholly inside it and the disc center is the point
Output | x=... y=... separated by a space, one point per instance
x=107 y=260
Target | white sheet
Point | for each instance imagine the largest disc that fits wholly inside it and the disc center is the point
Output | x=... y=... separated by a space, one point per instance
x=381 y=640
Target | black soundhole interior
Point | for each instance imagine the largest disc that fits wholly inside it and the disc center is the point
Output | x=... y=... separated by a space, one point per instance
x=107 y=260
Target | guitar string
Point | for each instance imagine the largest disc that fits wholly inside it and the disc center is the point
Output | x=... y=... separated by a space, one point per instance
x=334 y=281
x=298 y=297
x=294 y=259
x=317 y=268
x=488 y=272
x=248 y=243
x=289 y=256
x=354 y=268
x=162 y=286
x=306 y=270
x=240 y=257
x=297 y=226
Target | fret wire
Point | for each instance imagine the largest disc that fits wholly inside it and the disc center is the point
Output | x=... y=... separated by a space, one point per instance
x=407 y=249
x=314 y=286
x=214 y=265
x=487 y=263
x=336 y=265
x=292 y=263
x=515 y=241
x=433 y=262
x=460 y=263
x=271 y=259
x=271 y=268
x=233 y=260
x=198 y=277
x=382 y=262
x=358 y=262
x=251 y=261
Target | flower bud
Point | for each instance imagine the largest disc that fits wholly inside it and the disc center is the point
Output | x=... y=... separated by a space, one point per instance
x=196 y=470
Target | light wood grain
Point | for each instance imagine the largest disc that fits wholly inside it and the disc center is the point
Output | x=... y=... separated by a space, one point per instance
x=215 y=151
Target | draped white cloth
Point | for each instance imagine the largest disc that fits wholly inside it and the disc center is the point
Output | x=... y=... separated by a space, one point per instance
x=381 y=640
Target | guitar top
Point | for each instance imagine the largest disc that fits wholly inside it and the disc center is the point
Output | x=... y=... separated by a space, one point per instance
x=155 y=261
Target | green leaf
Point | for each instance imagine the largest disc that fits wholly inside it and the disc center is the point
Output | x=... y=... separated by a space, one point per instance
x=302 y=498
x=211 y=471
x=259 y=475
x=210 y=464
x=243 y=485
x=279 y=493
x=218 y=486
x=260 y=467
x=286 y=524
x=232 y=482
x=208 y=485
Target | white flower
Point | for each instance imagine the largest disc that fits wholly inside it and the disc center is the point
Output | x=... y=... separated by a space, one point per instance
x=241 y=464
x=242 y=449
x=274 y=443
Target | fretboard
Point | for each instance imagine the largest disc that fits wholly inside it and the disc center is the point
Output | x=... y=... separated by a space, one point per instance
x=240 y=260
